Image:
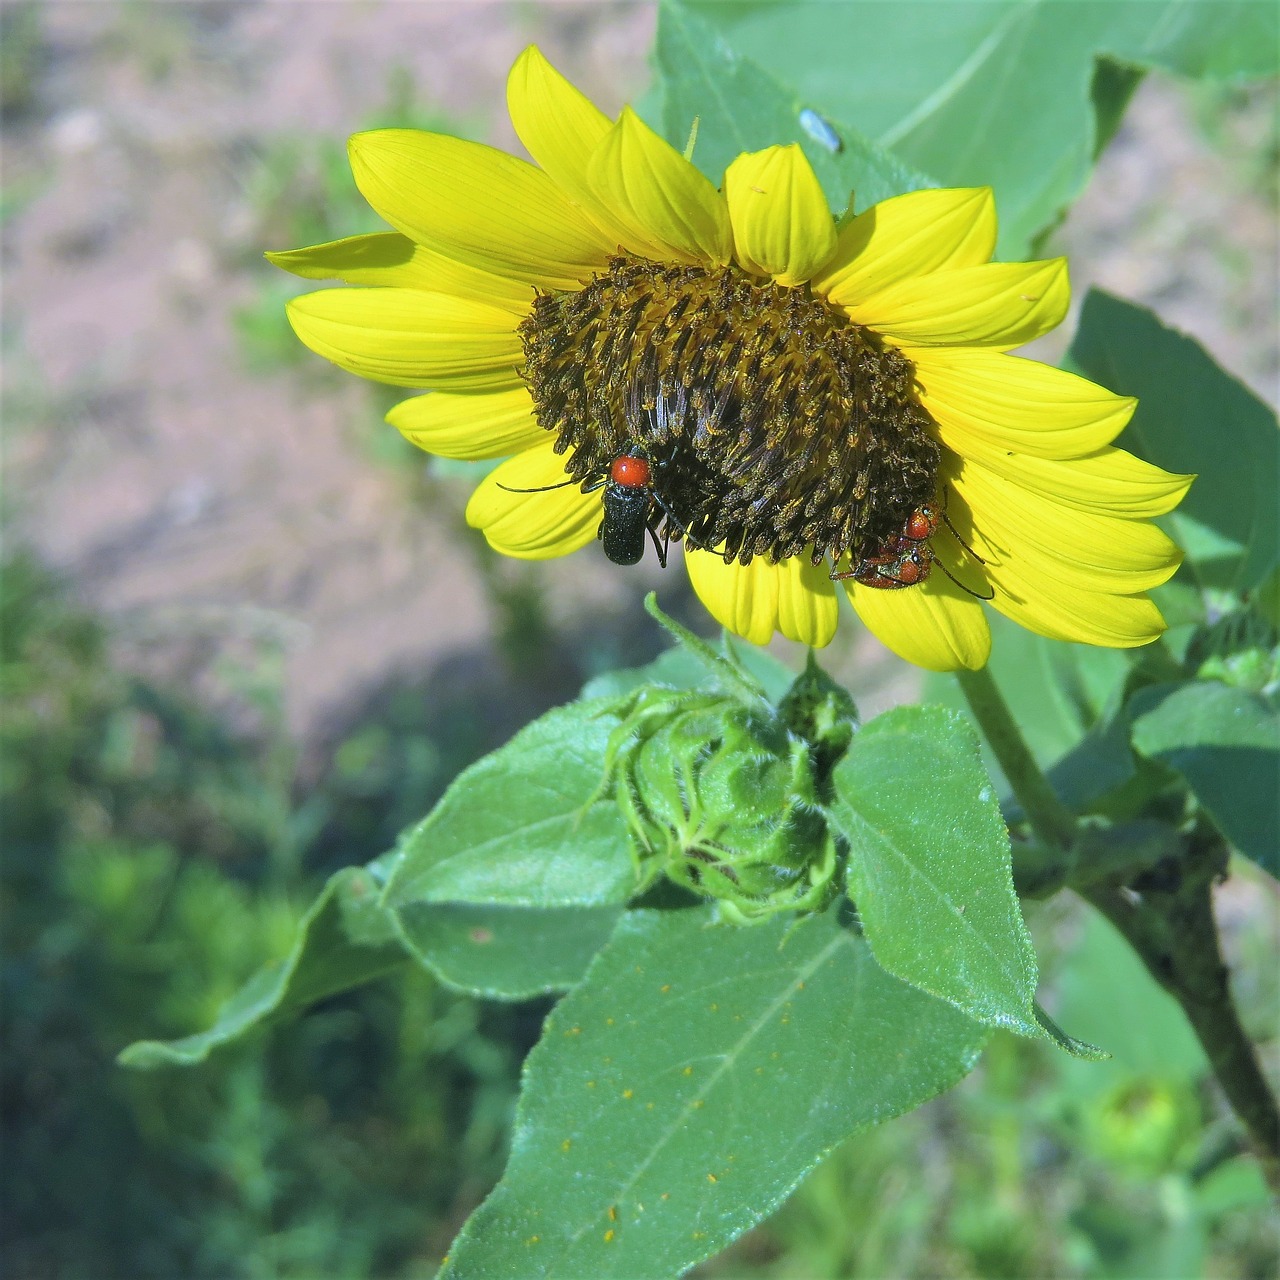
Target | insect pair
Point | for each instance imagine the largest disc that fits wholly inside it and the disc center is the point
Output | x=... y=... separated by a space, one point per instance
x=633 y=508
x=907 y=559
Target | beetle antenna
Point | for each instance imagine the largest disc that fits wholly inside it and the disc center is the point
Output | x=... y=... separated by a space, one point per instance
x=956 y=533
x=946 y=519
x=543 y=488
x=977 y=595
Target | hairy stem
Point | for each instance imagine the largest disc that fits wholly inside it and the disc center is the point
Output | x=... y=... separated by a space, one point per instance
x=1172 y=928
x=1165 y=912
x=1051 y=820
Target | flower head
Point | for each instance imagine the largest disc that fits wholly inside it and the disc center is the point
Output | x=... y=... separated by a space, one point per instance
x=805 y=405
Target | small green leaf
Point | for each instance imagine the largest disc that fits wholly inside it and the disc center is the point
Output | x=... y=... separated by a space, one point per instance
x=675 y=667
x=822 y=713
x=1005 y=93
x=740 y=107
x=1068 y=1044
x=1226 y=743
x=680 y=1093
x=929 y=865
x=680 y=668
x=727 y=672
x=1107 y=992
x=344 y=940
x=506 y=953
x=1192 y=416
x=527 y=826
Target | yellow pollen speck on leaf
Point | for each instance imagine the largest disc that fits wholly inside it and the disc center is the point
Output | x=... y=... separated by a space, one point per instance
x=613 y=1213
x=533 y=1240
x=666 y=986
x=566 y=1144
x=574 y=1031
x=711 y=1177
x=608 y=1235
x=628 y=1093
x=698 y=1104
x=688 y=1071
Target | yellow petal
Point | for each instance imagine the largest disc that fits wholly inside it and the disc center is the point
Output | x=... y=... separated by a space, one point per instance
x=1051 y=573
x=469 y=426
x=911 y=235
x=1109 y=482
x=1008 y=402
x=1032 y=536
x=477 y=205
x=411 y=338
x=560 y=128
x=935 y=624
x=782 y=225
x=1069 y=613
x=390 y=259
x=999 y=304
x=533 y=526
x=757 y=599
x=659 y=196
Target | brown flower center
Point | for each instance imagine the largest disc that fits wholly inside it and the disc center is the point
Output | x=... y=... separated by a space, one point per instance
x=774 y=424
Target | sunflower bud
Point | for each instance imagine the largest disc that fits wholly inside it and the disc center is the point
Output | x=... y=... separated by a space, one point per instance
x=724 y=802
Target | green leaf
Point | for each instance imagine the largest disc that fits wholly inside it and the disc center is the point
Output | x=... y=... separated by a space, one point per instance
x=929 y=865
x=675 y=667
x=725 y=668
x=505 y=953
x=344 y=939
x=740 y=107
x=681 y=669
x=1106 y=991
x=998 y=92
x=1226 y=743
x=1192 y=416
x=527 y=826
x=683 y=1090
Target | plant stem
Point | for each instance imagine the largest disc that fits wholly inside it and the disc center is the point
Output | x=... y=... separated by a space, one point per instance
x=1174 y=932
x=1166 y=917
x=1050 y=819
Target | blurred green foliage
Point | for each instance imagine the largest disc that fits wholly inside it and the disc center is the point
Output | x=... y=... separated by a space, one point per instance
x=141 y=883
x=151 y=861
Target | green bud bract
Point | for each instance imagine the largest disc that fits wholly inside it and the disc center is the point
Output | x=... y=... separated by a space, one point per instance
x=722 y=799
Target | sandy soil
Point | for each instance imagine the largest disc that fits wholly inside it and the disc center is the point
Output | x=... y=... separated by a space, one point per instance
x=197 y=502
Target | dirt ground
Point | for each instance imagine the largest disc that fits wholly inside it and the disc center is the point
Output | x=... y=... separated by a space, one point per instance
x=196 y=500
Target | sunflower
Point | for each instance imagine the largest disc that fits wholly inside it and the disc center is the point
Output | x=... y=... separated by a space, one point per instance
x=813 y=405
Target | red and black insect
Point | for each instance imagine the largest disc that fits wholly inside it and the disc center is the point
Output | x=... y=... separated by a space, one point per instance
x=633 y=507
x=907 y=559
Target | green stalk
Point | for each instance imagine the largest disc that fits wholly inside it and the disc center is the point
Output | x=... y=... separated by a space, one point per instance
x=1167 y=919
x=1050 y=819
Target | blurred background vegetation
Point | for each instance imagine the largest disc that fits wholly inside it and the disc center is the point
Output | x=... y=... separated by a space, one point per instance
x=172 y=796
x=155 y=854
